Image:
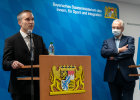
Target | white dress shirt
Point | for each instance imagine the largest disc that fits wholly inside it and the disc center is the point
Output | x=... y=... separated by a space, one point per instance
x=26 y=38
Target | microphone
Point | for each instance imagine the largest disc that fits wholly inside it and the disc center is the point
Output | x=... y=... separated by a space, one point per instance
x=29 y=32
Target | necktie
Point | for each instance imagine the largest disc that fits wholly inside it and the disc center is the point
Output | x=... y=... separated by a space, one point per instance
x=28 y=42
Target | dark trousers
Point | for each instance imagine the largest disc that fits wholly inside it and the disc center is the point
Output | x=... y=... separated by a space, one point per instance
x=121 y=89
x=21 y=97
x=24 y=97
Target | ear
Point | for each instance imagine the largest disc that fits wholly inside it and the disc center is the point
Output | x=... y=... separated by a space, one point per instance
x=122 y=29
x=20 y=23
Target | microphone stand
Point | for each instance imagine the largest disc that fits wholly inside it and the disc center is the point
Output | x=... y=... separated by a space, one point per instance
x=32 y=60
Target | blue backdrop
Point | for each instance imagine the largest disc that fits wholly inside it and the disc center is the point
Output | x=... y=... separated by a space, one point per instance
x=77 y=27
x=138 y=57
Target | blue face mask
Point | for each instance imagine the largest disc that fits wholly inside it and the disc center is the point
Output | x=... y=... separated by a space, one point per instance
x=116 y=32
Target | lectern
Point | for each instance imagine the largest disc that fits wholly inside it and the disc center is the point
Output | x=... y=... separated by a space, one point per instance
x=134 y=66
x=64 y=77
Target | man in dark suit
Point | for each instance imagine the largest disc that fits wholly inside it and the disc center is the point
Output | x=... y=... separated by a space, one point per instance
x=119 y=52
x=17 y=54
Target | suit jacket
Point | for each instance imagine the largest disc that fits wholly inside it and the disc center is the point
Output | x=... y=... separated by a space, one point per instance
x=123 y=59
x=16 y=49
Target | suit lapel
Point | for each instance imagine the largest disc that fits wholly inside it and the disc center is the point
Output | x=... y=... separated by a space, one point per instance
x=22 y=42
x=35 y=41
x=35 y=44
x=113 y=43
x=122 y=41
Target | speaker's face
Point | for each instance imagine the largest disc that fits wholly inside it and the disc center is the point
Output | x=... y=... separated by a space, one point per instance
x=27 y=22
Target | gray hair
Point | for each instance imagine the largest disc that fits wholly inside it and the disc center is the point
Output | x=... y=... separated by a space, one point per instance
x=119 y=20
x=19 y=16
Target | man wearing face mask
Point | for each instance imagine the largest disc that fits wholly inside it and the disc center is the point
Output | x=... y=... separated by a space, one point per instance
x=119 y=52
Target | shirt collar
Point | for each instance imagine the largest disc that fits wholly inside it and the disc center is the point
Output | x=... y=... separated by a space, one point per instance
x=23 y=34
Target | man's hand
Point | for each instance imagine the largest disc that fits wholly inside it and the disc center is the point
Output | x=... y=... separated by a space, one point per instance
x=16 y=65
x=122 y=49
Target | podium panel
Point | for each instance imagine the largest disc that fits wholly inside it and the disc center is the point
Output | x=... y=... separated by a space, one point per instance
x=65 y=77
